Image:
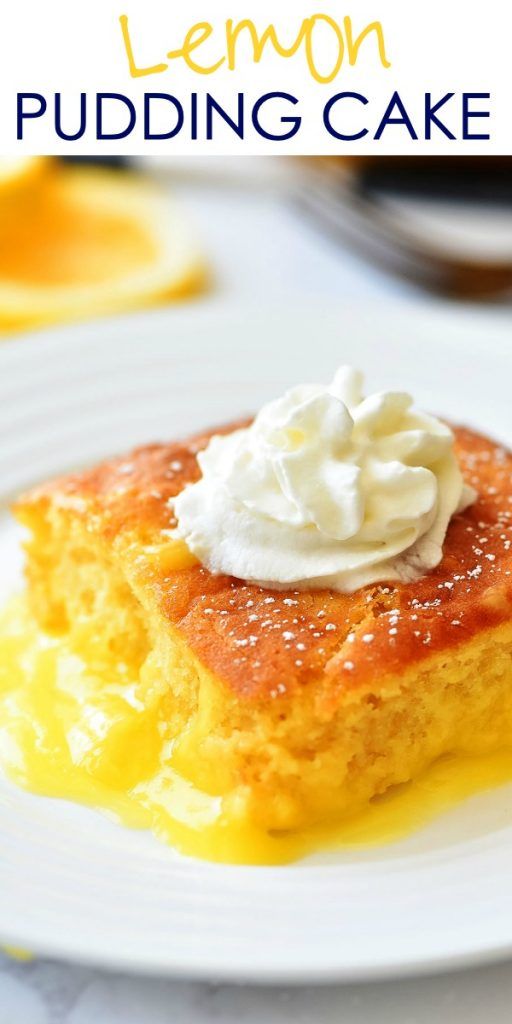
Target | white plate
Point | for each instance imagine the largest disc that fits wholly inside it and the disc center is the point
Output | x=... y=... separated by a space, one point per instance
x=73 y=884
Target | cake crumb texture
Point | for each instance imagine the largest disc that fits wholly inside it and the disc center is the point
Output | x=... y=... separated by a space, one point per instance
x=293 y=706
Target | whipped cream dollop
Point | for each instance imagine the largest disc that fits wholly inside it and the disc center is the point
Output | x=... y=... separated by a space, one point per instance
x=326 y=488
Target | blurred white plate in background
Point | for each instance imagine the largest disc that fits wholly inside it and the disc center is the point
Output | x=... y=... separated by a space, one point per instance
x=75 y=885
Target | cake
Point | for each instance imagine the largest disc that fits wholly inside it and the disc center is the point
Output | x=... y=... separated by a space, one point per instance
x=290 y=706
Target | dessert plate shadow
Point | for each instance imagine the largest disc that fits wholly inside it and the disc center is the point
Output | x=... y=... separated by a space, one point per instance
x=75 y=885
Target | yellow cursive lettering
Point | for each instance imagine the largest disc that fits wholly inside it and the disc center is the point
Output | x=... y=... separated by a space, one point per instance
x=353 y=46
x=136 y=72
x=258 y=42
x=194 y=37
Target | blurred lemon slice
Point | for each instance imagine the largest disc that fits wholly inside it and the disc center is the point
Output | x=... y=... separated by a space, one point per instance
x=17 y=171
x=88 y=241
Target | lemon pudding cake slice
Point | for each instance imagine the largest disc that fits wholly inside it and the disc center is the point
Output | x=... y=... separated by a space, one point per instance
x=281 y=619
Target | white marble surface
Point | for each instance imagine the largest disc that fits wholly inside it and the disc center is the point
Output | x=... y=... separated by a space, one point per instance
x=261 y=249
x=42 y=992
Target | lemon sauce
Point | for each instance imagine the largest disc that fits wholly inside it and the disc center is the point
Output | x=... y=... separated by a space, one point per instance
x=70 y=733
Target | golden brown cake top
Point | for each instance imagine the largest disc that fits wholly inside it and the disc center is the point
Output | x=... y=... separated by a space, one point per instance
x=264 y=643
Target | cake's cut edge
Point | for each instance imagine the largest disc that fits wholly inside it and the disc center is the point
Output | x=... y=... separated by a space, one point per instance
x=294 y=707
